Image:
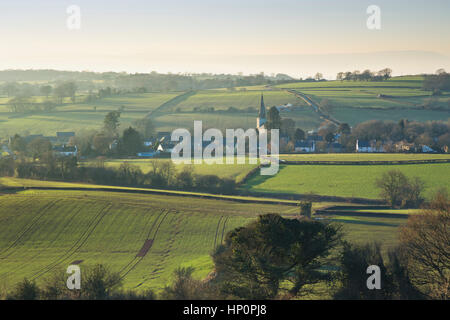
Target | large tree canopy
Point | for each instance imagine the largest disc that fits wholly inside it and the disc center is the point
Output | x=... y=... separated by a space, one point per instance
x=256 y=259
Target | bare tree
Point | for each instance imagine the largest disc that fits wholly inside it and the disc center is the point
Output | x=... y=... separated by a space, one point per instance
x=426 y=242
x=392 y=184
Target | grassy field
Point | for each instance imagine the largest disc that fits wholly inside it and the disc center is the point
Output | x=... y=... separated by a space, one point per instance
x=414 y=82
x=345 y=180
x=43 y=231
x=78 y=116
x=353 y=102
x=231 y=171
x=353 y=116
x=222 y=100
x=177 y=114
x=358 y=101
x=363 y=157
x=304 y=117
x=393 y=211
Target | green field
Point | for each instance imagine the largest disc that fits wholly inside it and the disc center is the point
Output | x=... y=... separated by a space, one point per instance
x=352 y=102
x=42 y=232
x=414 y=82
x=345 y=180
x=79 y=116
x=179 y=113
x=357 y=101
x=232 y=171
x=222 y=100
x=363 y=157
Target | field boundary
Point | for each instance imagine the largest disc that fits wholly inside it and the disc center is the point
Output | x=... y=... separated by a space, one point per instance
x=172 y=102
x=288 y=199
x=364 y=162
x=237 y=198
x=345 y=211
x=309 y=101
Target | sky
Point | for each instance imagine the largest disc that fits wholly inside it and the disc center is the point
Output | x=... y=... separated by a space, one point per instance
x=296 y=37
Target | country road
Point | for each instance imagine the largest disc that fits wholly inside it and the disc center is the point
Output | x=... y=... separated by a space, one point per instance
x=314 y=105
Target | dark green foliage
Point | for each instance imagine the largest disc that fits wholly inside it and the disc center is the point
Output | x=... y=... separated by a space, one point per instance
x=25 y=290
x=185 y=287
x=305 y=208
x=111 y=122
x=395 y=281
x=98 y=283
x=273 y=119
x=299 y=134
x=131 y=142
x=145 y=127
x=256 y=259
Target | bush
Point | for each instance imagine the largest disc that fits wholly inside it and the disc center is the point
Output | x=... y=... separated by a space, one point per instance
x=185 y=287
x=99 y=283
x=395 y=280
x=305 y=208
x=399 y=190
x=25 y=290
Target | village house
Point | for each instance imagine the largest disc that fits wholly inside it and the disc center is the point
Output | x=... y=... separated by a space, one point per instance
x=305 y=146
x=403 y=146
x=166 y=146
x=65 y=151
x=368 y=146
x=427 y=149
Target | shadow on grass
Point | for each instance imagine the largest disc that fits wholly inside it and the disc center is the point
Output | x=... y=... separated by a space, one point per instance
x=369 y=223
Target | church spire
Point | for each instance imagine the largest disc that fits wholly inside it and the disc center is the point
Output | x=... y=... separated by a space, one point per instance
x=262 y=108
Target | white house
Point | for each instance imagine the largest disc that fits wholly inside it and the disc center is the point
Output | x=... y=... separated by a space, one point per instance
x=166 y=147
x=65 y=151
x=368 y=146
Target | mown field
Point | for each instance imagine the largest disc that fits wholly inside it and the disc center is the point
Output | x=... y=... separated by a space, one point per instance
x=358 y=101
x=43 y=231
x=222 y=100
x=79 y=116
x=363 y=157
x=345 y=180
x=232 y=171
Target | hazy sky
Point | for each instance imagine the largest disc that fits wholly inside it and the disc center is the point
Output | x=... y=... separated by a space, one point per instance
x=298 y=37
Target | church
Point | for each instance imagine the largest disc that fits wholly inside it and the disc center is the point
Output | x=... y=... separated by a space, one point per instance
x=261 y=120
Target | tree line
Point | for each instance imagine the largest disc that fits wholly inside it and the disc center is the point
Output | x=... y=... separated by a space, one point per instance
x=162 y=174
x=366 y=75
x=437 y=82
x=387 y=133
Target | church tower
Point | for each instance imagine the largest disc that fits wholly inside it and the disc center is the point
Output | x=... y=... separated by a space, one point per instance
x=261 y=120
